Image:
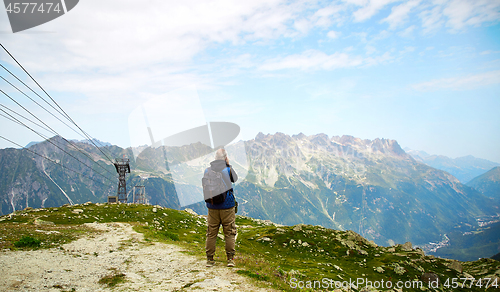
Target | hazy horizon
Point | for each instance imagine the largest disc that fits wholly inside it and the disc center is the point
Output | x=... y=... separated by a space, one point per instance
x=405 y=148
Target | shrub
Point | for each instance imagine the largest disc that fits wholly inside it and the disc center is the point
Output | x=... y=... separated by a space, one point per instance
x=28 y=241
x=171 y=235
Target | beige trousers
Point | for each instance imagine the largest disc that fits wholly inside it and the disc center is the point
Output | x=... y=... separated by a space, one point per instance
x=215 y=219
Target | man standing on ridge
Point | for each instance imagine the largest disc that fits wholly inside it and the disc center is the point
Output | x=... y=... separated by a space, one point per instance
x=222 y=213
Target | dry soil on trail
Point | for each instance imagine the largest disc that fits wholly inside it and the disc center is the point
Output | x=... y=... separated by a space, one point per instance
x=147 y=266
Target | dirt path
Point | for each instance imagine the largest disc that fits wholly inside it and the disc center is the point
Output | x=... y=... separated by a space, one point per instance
x=79 y=265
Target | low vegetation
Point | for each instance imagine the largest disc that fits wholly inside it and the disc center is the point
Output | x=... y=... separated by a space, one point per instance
x=288 y=258
x=112 y=279
x=27 y=241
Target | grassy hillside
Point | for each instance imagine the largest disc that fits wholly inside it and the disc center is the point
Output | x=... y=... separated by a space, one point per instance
x=284 y=257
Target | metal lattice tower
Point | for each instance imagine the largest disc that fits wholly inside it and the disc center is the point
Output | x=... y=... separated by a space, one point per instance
x=122 y=167
x=140 y=198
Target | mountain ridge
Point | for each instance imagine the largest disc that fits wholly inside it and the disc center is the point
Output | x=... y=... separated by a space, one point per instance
x=488 y=183
x=464 y=168
x=342 y=182
x=358 y=175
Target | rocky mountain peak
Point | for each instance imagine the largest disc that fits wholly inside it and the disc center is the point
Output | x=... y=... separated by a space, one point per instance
x=278 y=139
x=347 y=140
x=345 y=143
x=300 y=136
x=388 y=146
x=260 y=136
x=320 y=139
x=379 y=146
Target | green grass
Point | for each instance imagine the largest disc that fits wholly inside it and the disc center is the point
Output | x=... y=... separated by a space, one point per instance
x=28 y=241
x=254 y=275
x=49 y=236
x=270 y=256
x=113 y=279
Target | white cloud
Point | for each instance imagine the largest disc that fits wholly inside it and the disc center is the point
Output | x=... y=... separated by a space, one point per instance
x=103 y=50
x=471 y=12
x=381 y=35
x=458 y=14
x=489 y=52
x=408 y=32
x=312 y=60
x=431 y=19
x=399 y=14
x=325 y=17
x=458 y=11
x=370 y=50
x=369 y=9
x=115 y=37
x=461 y=83
x=333 y=34
x=407 y=50
x=302 y=25
x=376 y=60
x=357 y=2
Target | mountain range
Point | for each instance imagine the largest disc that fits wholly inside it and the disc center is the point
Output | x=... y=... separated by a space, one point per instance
x=463 y=168
x=372 y=187
x=488 y=183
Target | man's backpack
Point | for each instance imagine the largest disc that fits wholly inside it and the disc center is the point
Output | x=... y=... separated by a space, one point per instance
x=214 y=187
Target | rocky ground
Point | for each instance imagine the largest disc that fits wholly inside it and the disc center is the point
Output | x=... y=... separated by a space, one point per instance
x=118 y=250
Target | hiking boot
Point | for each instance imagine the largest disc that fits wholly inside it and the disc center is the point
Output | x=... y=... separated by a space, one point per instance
x=210 y=262
x=230 y=263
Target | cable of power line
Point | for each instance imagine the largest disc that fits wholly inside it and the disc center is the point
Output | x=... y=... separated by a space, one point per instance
x=22 y=92
x=55 y=132
x=21 y=116
x=88 y=136
x=51 y=160
x=48 y=140
x=27 y=86
x=41 y=120
x=69 y=142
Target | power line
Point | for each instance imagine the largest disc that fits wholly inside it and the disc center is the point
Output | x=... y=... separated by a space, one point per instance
x=21 y=116
x=38 y=103
x=45 y=157
x=27 y=86
x=48 y=140
x=68 y=117
x=55 y=132
x=13 y=58
x=69 y=142
x=52 y=130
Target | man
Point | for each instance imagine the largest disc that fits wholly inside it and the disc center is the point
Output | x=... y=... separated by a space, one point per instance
x=223 y=213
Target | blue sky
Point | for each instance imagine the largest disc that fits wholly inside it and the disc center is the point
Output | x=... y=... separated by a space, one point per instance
x=425 y=73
